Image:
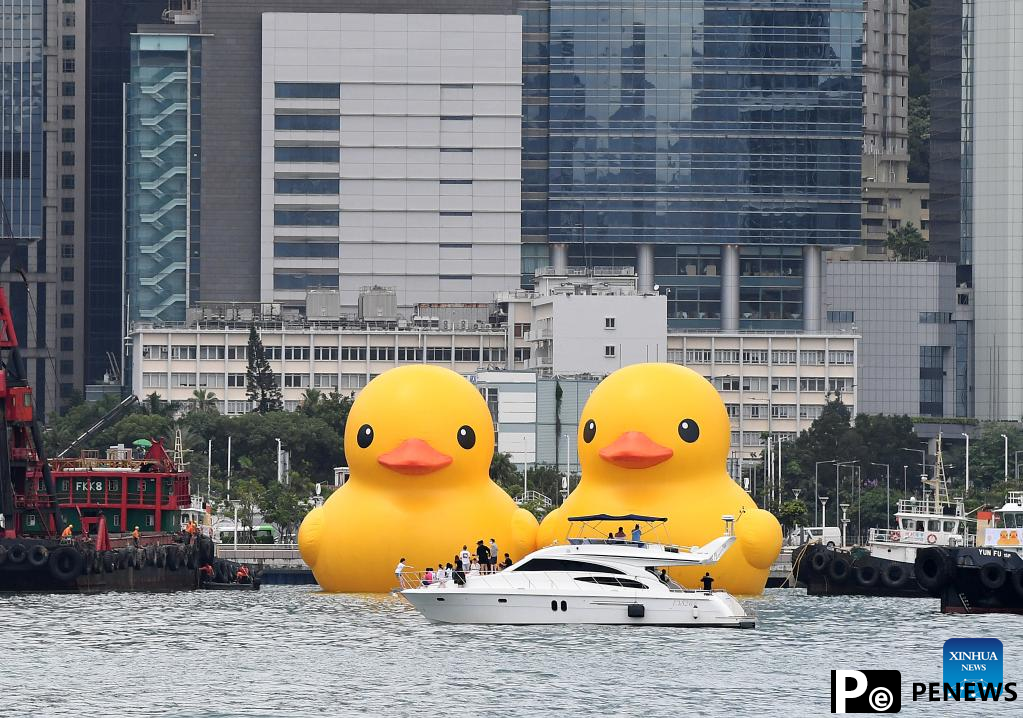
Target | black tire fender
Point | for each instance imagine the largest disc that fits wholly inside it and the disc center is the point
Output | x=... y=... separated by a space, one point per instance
x=38 y=555
x=17 y=553
x=894 y=575
x=820 y=560
x=992 y=575
x=839 y=569
x=867 y=575
x=66 y=563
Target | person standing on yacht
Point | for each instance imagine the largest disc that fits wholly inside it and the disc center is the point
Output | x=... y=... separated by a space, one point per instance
x=620 y=536
x=637 y=534
x=399 y=568
x=708 y=582
x=483 y=556
x=493 y=556
x=465 y=558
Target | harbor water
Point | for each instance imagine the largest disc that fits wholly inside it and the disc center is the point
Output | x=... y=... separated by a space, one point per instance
x=294 y=651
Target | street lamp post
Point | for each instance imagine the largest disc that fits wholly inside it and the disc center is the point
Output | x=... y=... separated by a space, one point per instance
x=888 y=489
x=816 y=493
x=923 y=460
x=904 y=482
x=1015 y=459
x=967 y=461
x=824 y=514
x=568 y=467
x=845 y=523
x=838 y=490
x=1005 y=466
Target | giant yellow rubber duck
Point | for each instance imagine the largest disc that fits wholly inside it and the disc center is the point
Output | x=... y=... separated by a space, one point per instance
x=419 y=441
x=653 y=440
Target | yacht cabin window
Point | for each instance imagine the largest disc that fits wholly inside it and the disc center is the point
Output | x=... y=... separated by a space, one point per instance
x=1013 y=520
x=609 y=581
x=562 y=564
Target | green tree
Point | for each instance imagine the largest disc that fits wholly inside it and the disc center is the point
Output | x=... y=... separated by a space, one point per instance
x=907 y=242
x=505 y=474
x=545 y=479
x=283 y=507
x=792 y=513
x=260 y=382
x=203 y=401
x=157 y=406
x=919 y=129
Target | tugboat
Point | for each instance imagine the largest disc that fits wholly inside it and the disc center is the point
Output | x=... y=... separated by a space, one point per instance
x=987 y=578
x=68 y=524
x=886 y=565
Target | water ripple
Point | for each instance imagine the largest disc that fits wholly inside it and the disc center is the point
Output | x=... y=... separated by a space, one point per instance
x=294 y=651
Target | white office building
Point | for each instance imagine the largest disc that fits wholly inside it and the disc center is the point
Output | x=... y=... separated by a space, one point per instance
x=391 y=155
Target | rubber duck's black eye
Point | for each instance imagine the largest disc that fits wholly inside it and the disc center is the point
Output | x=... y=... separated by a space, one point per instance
x=589 y=431
x=466 y=437
x=365 y=436
x=688 y=430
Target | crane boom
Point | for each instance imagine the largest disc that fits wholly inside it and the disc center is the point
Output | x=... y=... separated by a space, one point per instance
x=103 y=422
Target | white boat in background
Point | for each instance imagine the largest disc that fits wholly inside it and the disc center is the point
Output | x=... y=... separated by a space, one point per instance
x=587 y=581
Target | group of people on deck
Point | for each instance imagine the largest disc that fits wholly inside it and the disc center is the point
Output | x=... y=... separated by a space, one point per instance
x=484 y=559
x=635 y=537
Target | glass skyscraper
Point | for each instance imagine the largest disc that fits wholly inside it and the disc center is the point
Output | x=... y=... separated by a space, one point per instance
x=706 y=143
x=162 y=176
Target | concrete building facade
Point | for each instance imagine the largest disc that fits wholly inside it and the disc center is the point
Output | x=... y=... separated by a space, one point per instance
x=391 y=155
x=914 y=349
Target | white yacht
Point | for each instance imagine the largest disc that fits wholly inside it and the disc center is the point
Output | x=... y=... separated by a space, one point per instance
x=587 y=580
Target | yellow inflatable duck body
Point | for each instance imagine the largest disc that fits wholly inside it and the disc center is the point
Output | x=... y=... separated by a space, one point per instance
x=419 y=441
x=654 y=440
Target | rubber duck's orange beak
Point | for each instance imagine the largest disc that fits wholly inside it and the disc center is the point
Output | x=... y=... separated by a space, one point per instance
x=414 y=457
x=635 y=450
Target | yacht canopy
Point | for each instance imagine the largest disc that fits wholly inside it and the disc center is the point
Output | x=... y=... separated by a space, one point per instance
x=624 y=517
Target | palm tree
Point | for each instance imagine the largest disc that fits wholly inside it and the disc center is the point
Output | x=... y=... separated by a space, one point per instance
x=158 y=406
x=204 y=401
x=310 y=398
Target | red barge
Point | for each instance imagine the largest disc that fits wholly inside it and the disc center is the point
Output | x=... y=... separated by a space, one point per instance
x=101 y=498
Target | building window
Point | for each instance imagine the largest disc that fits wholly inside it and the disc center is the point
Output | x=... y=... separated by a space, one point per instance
x=272 y=353
x=238 y=407
x=67 y=134
x=306 y=217
x=67 y=367
x=381 y=353
x=67 y=298
x=325 y=353
x=68 y=64
x=69 y=19
x=609 y=322
x=783 y=411
x=467 y=354
x=67 y=251
x=67 y=181
x=154 y=380
x=935 y=317
x=783 y=356
x=235 y=380
x=353 y=353
x=67 y=204
x=308 y=90
x=67 y=42
x=182 y=379
x=307 y=186
x=754 y=356
x=307 y=154
x=183 y=351
x=154 y=351
x=812 y=384
x=752 y=438
x=840 y=385
x=840 y=317
x=325 y=381
x=67 y=89
x=236 y=353
x=211 y=351
x=810 y=411
x=840 y=357
x=296 y=353
x=732 y=410
x=67 y=159
x=754 y=411
x=67 y=228
x=783 y=383
x=67 y=321
x=813 y=357
x=67 y=112
x=67 y=344
x=212 y=381
x=410 y=354
x=609 y=351
x=726 y=356
x=754 y=383
x=726 y=383
x=351 y=381
x=522 y=354
x=307 y=122
x=521 y=329
x=895 y=202
x=67 y=274
x=438 y=354
x=698 y=356
x=924 y=202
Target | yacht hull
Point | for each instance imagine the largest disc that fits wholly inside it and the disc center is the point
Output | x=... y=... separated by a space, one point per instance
x=693 y=609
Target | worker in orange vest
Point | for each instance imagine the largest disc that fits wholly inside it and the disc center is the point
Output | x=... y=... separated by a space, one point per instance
x=65 y=535
x=190 y=529
x=135 y=536
x=243 y=574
